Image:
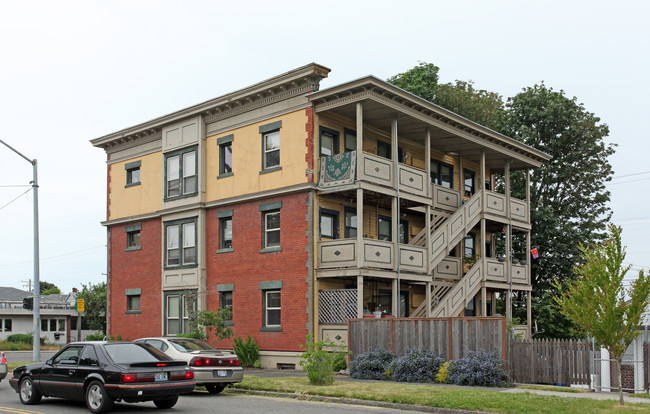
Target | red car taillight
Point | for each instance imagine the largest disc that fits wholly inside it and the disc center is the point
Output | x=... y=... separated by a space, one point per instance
x=4 y=359
x=140 y=377
x=179 y=375
x=214 y=362
x=128 y=377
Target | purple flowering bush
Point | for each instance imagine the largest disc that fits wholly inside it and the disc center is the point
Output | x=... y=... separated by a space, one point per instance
x=372 y=364
x=418 y=365
x=478 y=368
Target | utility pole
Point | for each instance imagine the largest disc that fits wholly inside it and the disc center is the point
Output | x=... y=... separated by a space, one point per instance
x=37 y=284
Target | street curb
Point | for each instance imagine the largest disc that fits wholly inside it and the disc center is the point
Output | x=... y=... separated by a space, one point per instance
x=352 y=401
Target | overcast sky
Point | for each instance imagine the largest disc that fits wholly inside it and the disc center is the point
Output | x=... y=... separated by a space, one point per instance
x=71 y=71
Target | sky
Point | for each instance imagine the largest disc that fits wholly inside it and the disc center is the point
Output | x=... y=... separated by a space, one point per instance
x=71 y=71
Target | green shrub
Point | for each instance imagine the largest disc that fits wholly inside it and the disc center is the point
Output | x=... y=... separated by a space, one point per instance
x=479 y=368
x=248 y=352
x=418 y=365
x=442 y=375
x=115 y=338
x=318 y=362
x=26 y=338
x=371 y=364
x=95 y=337
x=340 y=361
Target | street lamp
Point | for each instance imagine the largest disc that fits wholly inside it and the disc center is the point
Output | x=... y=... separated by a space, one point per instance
x=37 y=283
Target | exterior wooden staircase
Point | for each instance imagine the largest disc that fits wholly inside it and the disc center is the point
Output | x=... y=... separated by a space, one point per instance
x=446 y=234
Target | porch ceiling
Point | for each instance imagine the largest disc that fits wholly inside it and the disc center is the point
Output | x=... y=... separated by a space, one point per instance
x=450 y=133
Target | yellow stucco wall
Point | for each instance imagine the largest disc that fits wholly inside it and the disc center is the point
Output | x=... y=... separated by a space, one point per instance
x=140 y=199
x=247 y=159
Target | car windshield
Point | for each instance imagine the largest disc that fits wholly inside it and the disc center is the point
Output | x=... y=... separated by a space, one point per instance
x=187 y=345
x=131 y=353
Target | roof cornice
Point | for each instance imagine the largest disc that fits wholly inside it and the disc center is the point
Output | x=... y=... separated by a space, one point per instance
x=299 y=81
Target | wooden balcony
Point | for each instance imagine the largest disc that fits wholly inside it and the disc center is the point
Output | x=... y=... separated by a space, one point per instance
x=377 y=254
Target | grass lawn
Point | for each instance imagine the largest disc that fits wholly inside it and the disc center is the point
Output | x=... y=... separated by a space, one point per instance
x=441 y=396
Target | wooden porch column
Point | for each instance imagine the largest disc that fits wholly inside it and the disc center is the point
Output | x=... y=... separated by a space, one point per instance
x=483 y=301
x=427 y=300
x=360 y=230
x=395 y=298
x=359 y=136
x=394 y=213
x=508 y=307
x=529 y=311
x=427 y=160
x=359 y=296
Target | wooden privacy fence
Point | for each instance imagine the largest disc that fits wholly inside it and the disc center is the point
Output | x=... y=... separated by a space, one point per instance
x=550 y=361
x=450 y=337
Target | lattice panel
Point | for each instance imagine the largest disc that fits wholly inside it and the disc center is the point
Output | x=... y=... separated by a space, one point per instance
x=336 y=306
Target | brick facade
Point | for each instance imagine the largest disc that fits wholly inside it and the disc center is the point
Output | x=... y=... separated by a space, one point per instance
x=131 y=270
x=246 y=267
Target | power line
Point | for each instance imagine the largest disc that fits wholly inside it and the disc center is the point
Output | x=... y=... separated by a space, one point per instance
x=54 y=257
x=14 y=185
x=15 y=198
x=630 y=181
x=630 y=175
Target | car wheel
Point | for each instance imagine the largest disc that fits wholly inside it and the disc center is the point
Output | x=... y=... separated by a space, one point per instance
x=97 y=399
x=215 y=388
x=28 y=394
x=166 y=402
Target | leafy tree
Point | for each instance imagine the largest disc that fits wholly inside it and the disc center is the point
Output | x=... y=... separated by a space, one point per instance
x=215 y=323
x=599 y=304
x=568 y=195
x=48 y=288
x=478 y=105
x=94 y=297
x=568 y=198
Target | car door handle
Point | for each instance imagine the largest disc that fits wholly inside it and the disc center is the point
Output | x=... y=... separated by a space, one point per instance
x=71 y=372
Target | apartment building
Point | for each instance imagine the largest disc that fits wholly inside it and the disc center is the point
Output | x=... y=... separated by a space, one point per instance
x=300 y=208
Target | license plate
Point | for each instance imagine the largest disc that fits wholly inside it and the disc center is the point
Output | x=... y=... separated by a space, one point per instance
x=160 y=376
x=222 y=373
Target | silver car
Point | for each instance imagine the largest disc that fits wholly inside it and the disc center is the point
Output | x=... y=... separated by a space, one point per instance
x=212 y=368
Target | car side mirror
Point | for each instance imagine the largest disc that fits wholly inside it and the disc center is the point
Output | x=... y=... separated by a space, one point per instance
x=49 y=362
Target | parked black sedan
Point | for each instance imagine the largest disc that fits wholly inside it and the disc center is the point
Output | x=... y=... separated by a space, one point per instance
x=104 y=372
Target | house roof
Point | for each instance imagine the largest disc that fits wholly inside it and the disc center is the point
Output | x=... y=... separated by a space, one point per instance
x=9 y=294
x=450 y=132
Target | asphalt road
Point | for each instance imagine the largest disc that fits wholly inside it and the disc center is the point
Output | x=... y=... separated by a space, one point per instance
x=197 y=402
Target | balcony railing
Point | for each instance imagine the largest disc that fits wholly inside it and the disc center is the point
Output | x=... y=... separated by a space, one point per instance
x=379 y=254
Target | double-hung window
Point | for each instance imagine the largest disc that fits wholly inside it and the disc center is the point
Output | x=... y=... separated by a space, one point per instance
x=470 y=245
x=180 y=173
x=178 y=306
x=225 y=156
x=442 y=174
x=271 y=229
x=133 y=300
x=270 y=226
x=469 y=178
x=329 y=224
x=384 y=228
x=272 y=308
x=270 y=146
x=329 y=142
x=225 y=231
x=132 y=173
x=133 y=237
x=181 y=243
x=350 y=223
x=350 y=140
x=225 y=300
